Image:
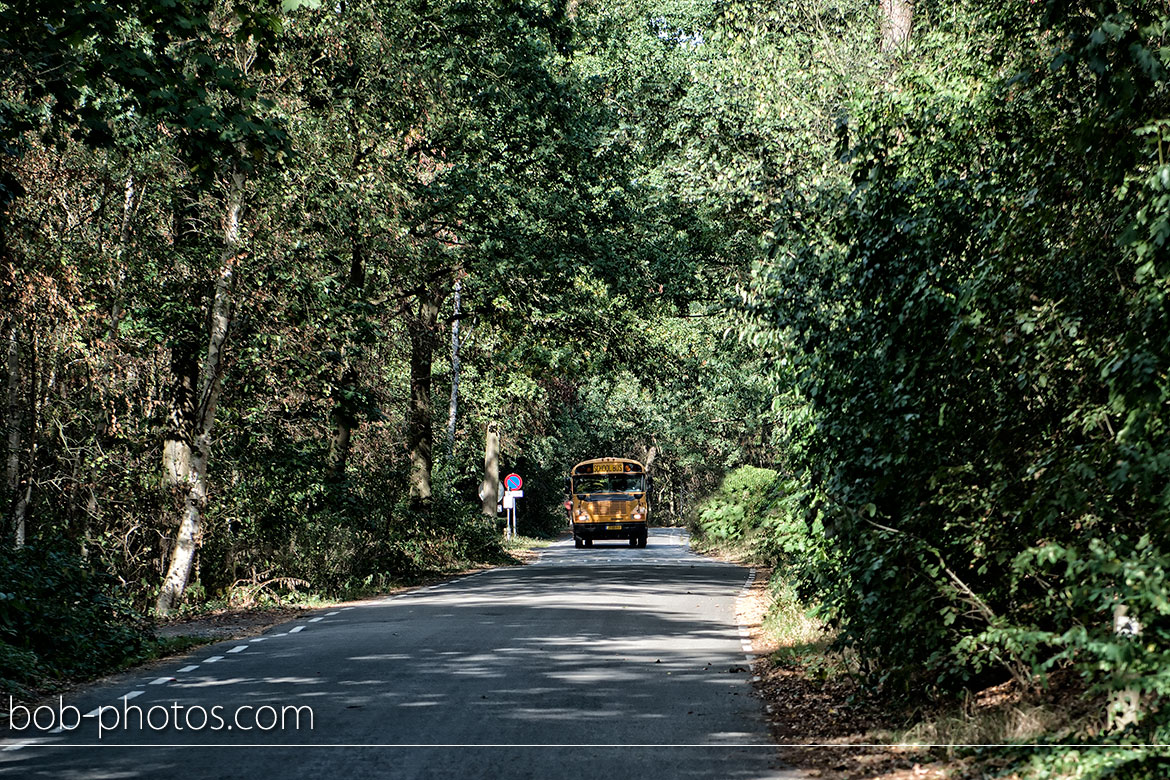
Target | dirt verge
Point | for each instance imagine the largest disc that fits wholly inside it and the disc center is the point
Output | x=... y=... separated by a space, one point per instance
x=823 y=726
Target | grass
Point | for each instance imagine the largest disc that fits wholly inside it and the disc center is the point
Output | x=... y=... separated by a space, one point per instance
x=746 y=549
x=521 y=542
x=1003 y=715
x=790 y=623
x=165 y=647
x=800 y=638
x=1016 y=724
x=738 y=551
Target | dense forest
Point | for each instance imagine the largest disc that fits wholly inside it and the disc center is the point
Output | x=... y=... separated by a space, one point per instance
x=283 y=287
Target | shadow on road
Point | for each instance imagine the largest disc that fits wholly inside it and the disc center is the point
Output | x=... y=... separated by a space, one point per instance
x=585 y=667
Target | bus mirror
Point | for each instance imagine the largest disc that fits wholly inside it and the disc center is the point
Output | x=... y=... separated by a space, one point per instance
x=649 y=484
x=568 y=485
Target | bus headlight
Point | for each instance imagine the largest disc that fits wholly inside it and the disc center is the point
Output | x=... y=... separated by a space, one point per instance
x=583 y=516
x=638 y=515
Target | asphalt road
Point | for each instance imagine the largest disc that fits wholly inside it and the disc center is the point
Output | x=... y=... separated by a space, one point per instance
x=609 y=662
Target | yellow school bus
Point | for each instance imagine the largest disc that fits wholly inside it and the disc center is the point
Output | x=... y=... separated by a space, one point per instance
x=608 y=499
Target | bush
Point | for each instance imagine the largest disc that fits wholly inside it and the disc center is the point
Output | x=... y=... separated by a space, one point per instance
x=60 y=619
x=348 y=549
x=976 y=359
x=738 y=509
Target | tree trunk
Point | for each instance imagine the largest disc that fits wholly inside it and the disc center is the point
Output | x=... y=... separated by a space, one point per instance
x=185 y=455
x=339 y=447
x=132 y=199
x=12 y=472
x=344 y=416
x=344 y=421
x=489 y=488
x=897 y=17
x=420 y=416
x=649 y=455
x=453 y=406
x=129 y=207
x=1125 y=705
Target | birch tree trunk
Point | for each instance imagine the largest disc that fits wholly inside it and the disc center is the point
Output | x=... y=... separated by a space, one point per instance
x=185 y=456
x=1125 y=705
x=649 y=455
x=897 y=18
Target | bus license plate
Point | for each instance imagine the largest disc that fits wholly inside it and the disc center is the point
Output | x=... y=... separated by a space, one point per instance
x=613 y=528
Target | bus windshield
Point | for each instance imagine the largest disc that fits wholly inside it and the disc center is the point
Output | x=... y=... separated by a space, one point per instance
x=609 y=483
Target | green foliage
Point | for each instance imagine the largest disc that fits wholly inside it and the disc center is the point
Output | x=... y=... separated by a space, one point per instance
x=741 y=506
x=60 y=619
x=287 y=520
x=1126 y=763
x=967 y=299
x=759 y=511
x=390 y=151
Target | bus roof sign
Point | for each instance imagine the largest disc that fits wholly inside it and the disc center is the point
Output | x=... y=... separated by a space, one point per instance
x=608 y=466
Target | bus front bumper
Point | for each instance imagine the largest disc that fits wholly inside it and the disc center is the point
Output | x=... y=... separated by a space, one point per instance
x=618 y=529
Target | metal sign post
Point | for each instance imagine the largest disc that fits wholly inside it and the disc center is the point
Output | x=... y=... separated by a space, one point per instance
x=512 y=485
x=510 y=497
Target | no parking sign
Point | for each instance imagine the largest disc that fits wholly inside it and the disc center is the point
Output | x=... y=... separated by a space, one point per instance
x=512 y=483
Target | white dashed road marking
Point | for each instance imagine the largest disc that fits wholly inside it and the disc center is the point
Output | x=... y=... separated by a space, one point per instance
x=745 y=634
